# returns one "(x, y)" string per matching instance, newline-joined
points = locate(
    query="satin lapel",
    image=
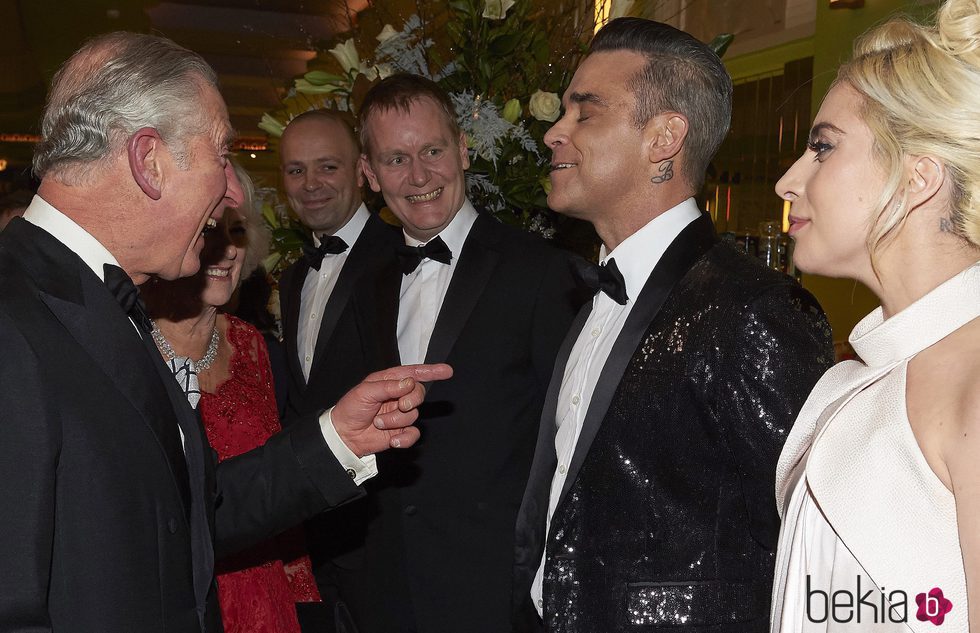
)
(99, 326)
(362, 258)
(534, 508)
(200, 471)
(388, 293)
(292, 287)
(683, 252)
(476, 265)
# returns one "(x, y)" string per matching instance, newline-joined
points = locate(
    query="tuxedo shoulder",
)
(748, 282)
(379, 231)
(520, 242)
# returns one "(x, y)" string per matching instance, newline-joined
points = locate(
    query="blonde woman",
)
(879, 481)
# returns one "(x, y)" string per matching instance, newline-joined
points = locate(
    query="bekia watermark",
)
(874, 605)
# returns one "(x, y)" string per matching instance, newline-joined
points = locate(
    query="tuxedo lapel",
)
(534, 508)
(360, 259)
(683, 252)
(477, 262)
(200, 469)
(291, 286)
(97, 323)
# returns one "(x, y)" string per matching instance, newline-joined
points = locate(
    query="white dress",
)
(867, 525)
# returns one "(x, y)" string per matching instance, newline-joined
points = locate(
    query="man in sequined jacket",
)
(650, 501)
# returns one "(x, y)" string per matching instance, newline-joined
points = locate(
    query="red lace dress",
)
(257, 588)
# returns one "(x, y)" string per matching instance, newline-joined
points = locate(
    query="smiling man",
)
(495, 302)
(114, 508)
(330, 320)
(650, 502)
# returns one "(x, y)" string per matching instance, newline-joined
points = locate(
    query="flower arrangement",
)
(502, 65)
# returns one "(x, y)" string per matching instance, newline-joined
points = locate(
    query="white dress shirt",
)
(318, 287)
(95, 256)
(636, 258)
(424, 289)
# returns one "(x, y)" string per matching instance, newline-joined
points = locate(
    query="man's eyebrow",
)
(586, 97)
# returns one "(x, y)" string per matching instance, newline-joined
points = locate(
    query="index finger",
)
(421, 373)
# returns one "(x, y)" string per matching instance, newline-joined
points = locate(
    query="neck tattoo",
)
(666, 173)
(168, 352)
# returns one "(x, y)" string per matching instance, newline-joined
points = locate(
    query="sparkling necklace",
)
(168, 350)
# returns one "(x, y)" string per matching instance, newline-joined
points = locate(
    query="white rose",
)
(386, 34)
(346, 54)
(545, 106)
(497, 9)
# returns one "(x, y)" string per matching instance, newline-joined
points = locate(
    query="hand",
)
(378, 413)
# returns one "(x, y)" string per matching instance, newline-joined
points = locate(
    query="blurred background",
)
(783, 57)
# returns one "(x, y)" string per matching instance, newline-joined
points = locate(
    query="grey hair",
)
(111, 87)
(258, 234)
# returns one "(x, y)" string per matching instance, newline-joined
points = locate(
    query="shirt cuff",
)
(360, 469)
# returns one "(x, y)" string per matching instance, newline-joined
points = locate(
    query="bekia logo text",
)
(844, 606)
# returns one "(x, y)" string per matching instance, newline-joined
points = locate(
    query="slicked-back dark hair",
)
(399, 92)
(681, 75)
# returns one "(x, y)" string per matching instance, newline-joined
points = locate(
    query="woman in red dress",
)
(258, 588)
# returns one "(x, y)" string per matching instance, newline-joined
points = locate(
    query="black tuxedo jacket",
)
(667, 517)
(109, 525)
(438, 552)
(347, 346)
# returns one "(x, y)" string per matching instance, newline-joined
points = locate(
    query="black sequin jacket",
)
(668, 516)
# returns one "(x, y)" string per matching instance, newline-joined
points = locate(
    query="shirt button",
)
(312, 316)
(596, 332)
(411, 510)
(575, 399)
(540, 603)
(561, 469)
(308, 358)
(351, 473)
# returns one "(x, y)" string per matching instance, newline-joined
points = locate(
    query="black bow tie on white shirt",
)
(127, 295)
(332, 245)
(411, 256)
(606, 278)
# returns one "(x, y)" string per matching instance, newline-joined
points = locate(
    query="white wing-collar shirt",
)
(319, 285)
(424, 289)
(636, 258)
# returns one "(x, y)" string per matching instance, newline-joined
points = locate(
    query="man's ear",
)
(145, 151)
(926, 176)
(369, 174)
(464, 152)
(664, 135)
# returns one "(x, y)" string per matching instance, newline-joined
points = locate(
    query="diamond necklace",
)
(168, 351)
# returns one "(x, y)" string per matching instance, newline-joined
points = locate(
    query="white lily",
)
(497, 9)
(271, 125)
(386, 34)
(346, 54)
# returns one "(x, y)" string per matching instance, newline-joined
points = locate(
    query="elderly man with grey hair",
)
(114, 509)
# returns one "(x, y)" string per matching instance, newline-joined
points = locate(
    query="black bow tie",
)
(411, 256)
(606, 278)
(128, 296)
(332, 245)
